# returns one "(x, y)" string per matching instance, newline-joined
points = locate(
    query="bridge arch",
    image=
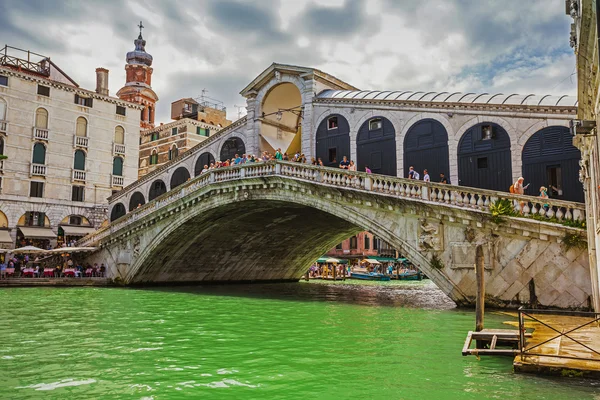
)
(157, 188)
(181, 175)
(332, 140)
(376, 146)
(203, 159)
(551, 160)
(136, 199)
(484, 157)
(117, 212)
(232, 146)
(426, 147)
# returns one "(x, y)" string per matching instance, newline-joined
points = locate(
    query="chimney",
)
(102, 81)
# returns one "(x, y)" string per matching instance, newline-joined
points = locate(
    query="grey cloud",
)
(349, 19)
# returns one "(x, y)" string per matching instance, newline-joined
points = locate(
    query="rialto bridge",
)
(270, 221)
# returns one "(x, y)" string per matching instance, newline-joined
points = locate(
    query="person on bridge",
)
(411, 172)
(344, 164)
(278, 155)
(352, 166)
(443, 179)
(367, 169)
(426, 176)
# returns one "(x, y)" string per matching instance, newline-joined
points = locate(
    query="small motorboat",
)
(410, 275)
(369, 276)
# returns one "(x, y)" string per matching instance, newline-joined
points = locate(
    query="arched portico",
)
(280, 119)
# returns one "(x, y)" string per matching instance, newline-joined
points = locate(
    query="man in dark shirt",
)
(443, 178)
(344, 164)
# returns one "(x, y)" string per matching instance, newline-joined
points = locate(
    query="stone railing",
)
(80, 141)
(3, 126)
(38, 169)
(196, 149)
(118, 149)
(40, 134)
(116, 180)
(78, 175)
(427, 192)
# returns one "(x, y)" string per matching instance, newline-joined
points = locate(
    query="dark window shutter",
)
(76, 99)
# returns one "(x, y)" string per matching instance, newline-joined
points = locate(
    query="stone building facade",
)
(67, 150)
(584, 39)
(361, 245)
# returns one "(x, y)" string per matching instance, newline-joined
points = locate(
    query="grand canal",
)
(307, 340)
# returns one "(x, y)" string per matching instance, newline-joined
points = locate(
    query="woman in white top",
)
(352, 166)
(426, 176)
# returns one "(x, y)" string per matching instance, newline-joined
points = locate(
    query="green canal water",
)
(399, 340)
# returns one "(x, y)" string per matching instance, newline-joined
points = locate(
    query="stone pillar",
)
(252, 126)
(307, 139)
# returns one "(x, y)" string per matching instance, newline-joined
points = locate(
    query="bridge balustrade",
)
(450, 195)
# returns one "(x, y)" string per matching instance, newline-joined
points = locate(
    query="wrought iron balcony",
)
(38, 169)
(118, 149)
(40, 133)
(78, 175)
(117, 180)
(3, 126)
(80, 141)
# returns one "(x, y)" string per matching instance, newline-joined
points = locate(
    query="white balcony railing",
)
(80, 141)
(3, 126)
(117, 180)
(41, 134)
(78, 175)
(118, 148)
(38, 169)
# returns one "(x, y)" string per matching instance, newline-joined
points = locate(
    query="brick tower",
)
(138, 85)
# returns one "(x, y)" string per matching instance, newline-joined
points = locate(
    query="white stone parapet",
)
(80, 141)
(38, 169)
(78, 175)
(462, 197)
(3, 126)
(116, 180)
(41, 134)
(118, 149)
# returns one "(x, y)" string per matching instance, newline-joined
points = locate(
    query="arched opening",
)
(333, 140)
(79, 160)
(281, 119)
(173, 152)
(81, 127)
(2, 109)
(376, 146)
(181, 175)
(41, 118)
(484, 159)
(150, 114)
(154, 157)
(3, 220)
(157, 188)
(39, 153)
(204, 159)
(117, 212)
(231, 147)
(119, 135)
(551, 160)
(136, 200)
(72, 228)
(426, 147)
(1, 145)
(117, 166)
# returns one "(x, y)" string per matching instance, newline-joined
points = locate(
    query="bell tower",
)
(138, 85)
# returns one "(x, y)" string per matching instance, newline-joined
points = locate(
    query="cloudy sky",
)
(221, 45)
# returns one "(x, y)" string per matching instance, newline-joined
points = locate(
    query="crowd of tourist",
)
(22, 266)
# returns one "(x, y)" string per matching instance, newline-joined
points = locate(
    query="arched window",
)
(150, 114)
(41, 118)
(2, 110)
(1, 145)
(79, 162)
(81, 129)
(154, 158)
(39, 154)
(118, 166)
(173, 152)
(119, 135)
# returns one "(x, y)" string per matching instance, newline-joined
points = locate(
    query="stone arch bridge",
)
(270, 221)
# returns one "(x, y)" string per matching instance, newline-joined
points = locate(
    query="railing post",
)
(425, 192)
(277, 169)
(368, 183)
(242, 172)
(211, 178)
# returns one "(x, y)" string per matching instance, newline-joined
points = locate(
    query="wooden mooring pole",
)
(480, 301)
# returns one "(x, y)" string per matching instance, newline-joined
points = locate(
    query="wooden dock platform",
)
(492, 342)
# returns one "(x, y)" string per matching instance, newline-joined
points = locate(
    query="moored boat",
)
(369, 276)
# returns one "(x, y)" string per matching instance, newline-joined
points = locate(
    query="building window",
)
(174, 131)
(2, 110)
(83, 101)
(339, 247)
(375, 244)
(332, 154)
(154, 136)
(79, 160)
(118, 166)
(75, 220)
(81, 127)
(353, 243)
(2, 145)
(173, 153)
(41, 118)
(482, 163)
(487, 132)
(35, 218)
(3, 80)
(375, 124)
(367, 242)
(202, 131)
(142, 115)
(39, 154)
(121, 110)
(332, 123)
(150, 114)
(77, 193)
(43, 90)
(119, 135)
(36, 189)
(154, 158)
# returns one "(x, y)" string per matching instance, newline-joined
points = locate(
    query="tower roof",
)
(139, 55)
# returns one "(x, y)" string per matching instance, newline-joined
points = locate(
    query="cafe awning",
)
(5, 237)
(323, 260)
(382, 259)
(37, 233)
(77, 230)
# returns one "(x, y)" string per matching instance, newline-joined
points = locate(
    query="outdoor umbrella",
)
(332, 261)
(71, 250)
(28, 250)
(371, 261)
